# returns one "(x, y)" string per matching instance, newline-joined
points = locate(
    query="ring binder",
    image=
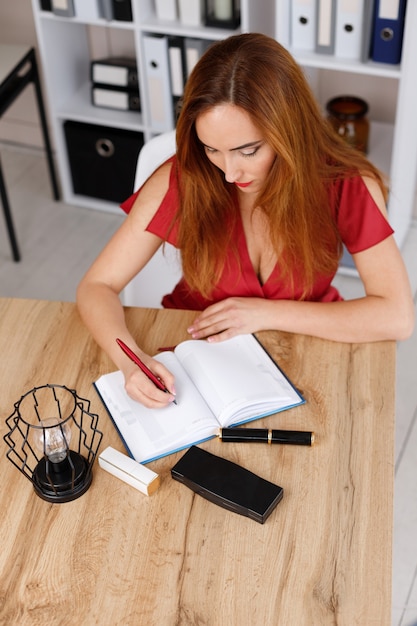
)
(122, 10)
(283, 22)
(115, 98)
(349, 28)
(117, 71)
(191, 12)
(166, 10)
(389, 20)
(86, 9)
(325, 28)
(64, 8)
(303, 24)
(105, 9)
(158, 82)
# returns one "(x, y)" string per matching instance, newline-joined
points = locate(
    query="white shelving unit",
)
(393, 146)
(66, 51)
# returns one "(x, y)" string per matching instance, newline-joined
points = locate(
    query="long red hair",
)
(256, 73)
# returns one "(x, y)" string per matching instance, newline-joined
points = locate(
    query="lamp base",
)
(62, 482)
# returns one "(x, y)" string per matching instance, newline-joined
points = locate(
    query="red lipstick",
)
(243, 185)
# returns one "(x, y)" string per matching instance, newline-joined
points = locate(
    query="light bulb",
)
(53, 439)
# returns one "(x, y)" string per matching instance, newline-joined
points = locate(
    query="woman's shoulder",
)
(361, 213)
(156, 205)
(158, 184)
(359, 191)
(154, 190)
(376, 193)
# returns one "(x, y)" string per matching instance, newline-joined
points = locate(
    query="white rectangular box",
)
(130, 471)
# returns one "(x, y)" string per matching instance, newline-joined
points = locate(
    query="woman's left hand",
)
(228, 318)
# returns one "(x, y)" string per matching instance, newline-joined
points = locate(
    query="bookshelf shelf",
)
(79, 108)
(327, 62)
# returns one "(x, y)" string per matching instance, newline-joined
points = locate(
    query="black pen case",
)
(227, 484)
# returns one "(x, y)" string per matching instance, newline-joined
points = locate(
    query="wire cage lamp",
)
(53, 440)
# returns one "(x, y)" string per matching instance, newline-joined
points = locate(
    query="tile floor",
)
(58, 242)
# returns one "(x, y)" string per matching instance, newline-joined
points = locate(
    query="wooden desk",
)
(18, 68)
(115, 557)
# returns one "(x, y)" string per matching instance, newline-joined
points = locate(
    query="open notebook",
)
(218, 385)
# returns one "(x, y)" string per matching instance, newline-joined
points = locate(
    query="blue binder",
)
(389, 20)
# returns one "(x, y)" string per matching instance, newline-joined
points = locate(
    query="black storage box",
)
(102, 160)
(122, 10)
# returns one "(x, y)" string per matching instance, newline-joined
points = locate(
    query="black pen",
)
(265, 435)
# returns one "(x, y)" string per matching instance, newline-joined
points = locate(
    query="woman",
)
(259, 199)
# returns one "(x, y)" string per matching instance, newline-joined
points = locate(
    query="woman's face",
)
(235, 145)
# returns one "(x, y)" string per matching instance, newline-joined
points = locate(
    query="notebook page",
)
(236, 377)
(149, 433)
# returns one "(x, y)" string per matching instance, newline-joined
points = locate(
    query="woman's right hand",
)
(141, 389)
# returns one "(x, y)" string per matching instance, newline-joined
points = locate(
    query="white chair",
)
(163, 271)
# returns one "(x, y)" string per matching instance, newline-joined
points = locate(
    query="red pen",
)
(156, 381)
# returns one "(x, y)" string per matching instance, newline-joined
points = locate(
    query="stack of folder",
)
(90, 9)
(349, 29)
(115, 84)
(169, 61)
